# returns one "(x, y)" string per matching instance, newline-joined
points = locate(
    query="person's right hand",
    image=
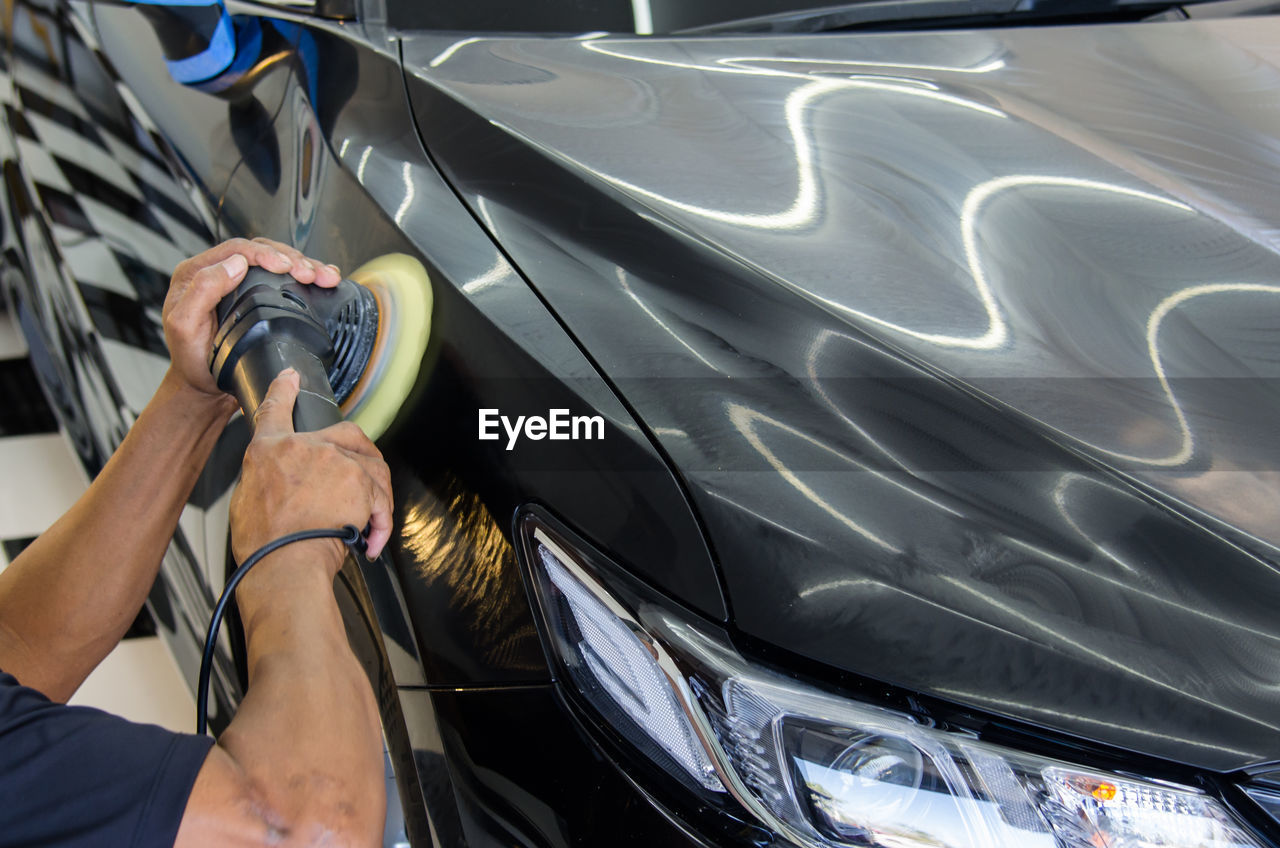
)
(306, 481)
(200, 282)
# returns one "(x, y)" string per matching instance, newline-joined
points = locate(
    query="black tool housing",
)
(272, 322)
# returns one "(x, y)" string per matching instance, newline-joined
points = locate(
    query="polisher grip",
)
(315, 407)
(265, 326)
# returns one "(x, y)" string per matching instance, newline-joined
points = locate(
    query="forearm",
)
(67, 600)
(307, 734)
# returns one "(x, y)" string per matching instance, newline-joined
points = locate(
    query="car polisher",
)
(357, 347)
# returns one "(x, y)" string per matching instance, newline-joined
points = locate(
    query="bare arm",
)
(66, 600)
(301, 762)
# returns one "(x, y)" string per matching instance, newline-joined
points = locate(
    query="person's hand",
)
(306, 481)
(201, 281)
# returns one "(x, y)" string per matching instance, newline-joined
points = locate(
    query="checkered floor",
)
(120, 222)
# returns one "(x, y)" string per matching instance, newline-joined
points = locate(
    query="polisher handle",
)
(315, 407)
(263, 328)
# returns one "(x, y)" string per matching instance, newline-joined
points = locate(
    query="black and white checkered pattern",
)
(120, 218)
(120, 222)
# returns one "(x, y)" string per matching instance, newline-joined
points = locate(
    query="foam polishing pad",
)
(403, 291)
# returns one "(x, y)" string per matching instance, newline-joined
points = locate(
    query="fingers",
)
(304, 269)
(207, 287)
(380, 504)
(274, 416)
(377, 476)
(379, 527)
(261, 253)
(277, 257)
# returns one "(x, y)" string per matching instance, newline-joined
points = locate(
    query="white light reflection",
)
(364, 160)
(844, 65)
(622, 281)
(997, 332)
(763, 519)
(1060, 500)
(485, 215)
(744, 419)
(342, 151)
(495, 274)
(450, 50)
(1015, 706)
(643, 16)
(1087, 573)
(408, 194)
(804, 208)
(1162, 310)
(845, 584)
(811, 370)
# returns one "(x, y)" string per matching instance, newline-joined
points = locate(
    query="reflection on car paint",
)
(977, 283)
(454, 556)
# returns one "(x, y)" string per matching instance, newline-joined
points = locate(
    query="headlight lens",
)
(616, 666)
(837, 773)
(824, 771)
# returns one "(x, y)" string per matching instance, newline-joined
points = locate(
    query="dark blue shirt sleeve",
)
(76, 776)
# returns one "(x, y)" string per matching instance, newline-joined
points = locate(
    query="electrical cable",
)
(350, 537)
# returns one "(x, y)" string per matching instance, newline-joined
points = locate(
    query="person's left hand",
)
(201, 281)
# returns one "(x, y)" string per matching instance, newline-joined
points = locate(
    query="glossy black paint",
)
(956, 472)
(570, 792)
(382, 195)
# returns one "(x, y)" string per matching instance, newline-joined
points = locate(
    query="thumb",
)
(274, 416)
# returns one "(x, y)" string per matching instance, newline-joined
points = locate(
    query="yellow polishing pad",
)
(403, 291)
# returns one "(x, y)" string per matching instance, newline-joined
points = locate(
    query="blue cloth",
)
(76, 776)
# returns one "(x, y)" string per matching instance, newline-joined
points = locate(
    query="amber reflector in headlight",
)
(863, 776)
(820, 769)
(615, 664)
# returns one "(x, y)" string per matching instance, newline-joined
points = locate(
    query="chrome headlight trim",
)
(992, 788)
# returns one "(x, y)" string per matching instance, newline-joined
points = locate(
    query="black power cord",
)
(349, 535)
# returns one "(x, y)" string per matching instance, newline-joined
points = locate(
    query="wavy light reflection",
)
(407, 176)
(840, 65)
(806, 205)
(446, 54)
(1187, 449)
(622, 281)
(744, 420)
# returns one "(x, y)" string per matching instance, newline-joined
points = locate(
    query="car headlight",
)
(819, 769)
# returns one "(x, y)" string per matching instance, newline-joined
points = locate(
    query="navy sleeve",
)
(75, 776)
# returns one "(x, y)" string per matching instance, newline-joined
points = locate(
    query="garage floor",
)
(39, 478)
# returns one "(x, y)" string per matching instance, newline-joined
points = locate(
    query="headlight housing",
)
(821, 770)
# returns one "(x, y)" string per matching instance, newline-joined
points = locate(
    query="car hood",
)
(964, 344)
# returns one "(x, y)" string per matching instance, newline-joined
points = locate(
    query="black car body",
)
(938, 372)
